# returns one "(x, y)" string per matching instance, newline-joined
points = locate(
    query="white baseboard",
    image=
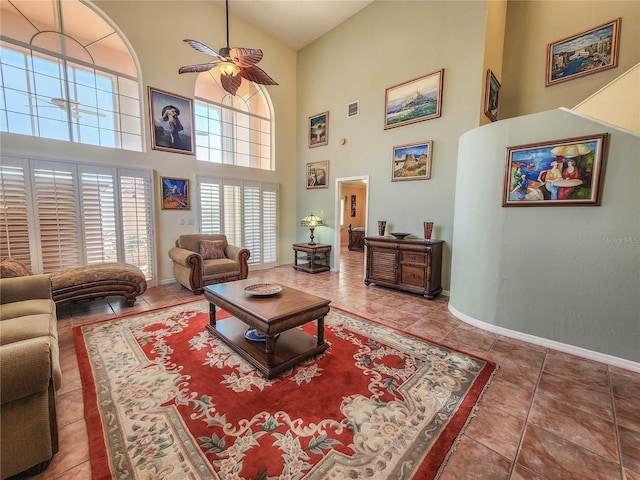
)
(561, 347)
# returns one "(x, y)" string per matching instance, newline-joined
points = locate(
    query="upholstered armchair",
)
(204, 259)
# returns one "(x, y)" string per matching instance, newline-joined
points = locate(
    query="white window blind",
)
(246, 212)
(14, 223)
(99, 216)
(137, 221)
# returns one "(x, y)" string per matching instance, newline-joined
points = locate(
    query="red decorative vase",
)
(382, 225)
(428, 230)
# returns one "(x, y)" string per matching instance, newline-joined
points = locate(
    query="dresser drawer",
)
(412, 275)
(420, 258)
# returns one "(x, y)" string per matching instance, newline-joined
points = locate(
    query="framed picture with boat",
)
(588, 52)
(565, 172)
(417, 100)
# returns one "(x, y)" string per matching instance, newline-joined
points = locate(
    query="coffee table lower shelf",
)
(291, 346)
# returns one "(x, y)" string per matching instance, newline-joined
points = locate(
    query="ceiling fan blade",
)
(230, 84)
(201, 67)
(257, 75)
(201, 47)
(245, 57)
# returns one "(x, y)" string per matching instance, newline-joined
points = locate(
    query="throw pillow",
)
(10, 267)
(210, 249)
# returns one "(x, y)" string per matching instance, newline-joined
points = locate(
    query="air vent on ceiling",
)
(353, 109)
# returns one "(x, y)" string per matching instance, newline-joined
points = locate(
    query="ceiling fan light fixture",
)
(229, 68)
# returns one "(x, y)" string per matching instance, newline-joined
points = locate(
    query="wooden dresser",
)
(412, 265)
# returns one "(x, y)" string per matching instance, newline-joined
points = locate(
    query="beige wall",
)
(361, 205)
(532, 25)
(493, 48)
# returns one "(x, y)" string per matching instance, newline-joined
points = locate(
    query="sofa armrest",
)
(26, 368)
(185, 257)
(19, 289)
(240, 255)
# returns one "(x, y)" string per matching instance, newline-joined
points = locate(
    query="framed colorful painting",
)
(588, 52)
(175, 193)
(412, 162)
(318, 174)
(491, 96)
(319, 130)
(414, 101)
(171, 119)
(556, 173)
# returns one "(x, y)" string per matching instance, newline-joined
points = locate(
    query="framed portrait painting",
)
(319, 130)
(171, 119)
(412, 162)
(318, 174)
(175, 193)
(492, 96)
(588, 52)
(414, 101)
(565, 172)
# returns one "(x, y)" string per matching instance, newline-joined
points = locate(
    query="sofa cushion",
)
(11, 268)
(211, 249)
(23, 308)
(29, 326)
(219, 266)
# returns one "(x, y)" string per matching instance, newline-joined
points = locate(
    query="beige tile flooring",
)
(546, 415)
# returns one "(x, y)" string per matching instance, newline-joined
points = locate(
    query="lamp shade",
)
(312, 221)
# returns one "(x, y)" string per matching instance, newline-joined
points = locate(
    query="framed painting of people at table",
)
(318, 174)
(587, 52)
(417, 100)
(567, 172)
(319, 130)
(171, 119)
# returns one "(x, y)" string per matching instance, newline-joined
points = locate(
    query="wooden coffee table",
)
(277, 316)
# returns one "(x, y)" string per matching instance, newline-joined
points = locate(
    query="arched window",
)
(234, 130)
(68, 75)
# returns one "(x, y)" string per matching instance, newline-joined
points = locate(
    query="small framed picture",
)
(318, 174)
(492, 96)
(175, 193)
(565, 172)
(414, 101)
(319, 130)
(588, 52)
(171, 119)
(412, 162)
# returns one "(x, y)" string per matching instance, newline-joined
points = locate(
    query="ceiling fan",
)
(234, 63)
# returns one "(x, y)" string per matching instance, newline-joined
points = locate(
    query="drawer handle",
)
(413, 257)
(413, 275)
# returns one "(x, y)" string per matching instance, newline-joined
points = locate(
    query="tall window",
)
(246, 212)
(234, 130)
(55, 215)
(67, 75)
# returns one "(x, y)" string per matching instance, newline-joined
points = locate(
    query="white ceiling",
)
(296, 23)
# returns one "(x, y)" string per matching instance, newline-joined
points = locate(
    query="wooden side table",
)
(311, 258)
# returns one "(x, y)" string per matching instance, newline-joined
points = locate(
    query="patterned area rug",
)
(165, 399)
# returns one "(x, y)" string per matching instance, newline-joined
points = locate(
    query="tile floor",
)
(546, 415)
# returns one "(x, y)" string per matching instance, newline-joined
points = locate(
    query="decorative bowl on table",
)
(399, 235)
(263, 289)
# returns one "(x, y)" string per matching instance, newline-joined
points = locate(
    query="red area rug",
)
(165, 399)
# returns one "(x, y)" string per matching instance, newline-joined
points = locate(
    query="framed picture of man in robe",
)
(171, 118)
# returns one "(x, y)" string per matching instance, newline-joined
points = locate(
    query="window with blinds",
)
(246, 212)
(56, 215)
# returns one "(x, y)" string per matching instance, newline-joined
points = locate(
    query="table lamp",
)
(312, 221)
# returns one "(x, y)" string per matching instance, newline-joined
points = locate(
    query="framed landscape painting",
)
(492, 96)
(587, 52)
(319, 130)
(412, 162)
(318, 174)
(171, 119)
(414, 101)
(175, 193)
(564, 172)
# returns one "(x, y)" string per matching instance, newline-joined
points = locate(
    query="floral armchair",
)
(204, 259)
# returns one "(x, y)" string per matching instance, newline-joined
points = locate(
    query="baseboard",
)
(543, 342)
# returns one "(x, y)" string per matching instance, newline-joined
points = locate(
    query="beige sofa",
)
(193, 270)
(30, 374)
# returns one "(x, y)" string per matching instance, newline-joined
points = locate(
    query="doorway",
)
(346, 205)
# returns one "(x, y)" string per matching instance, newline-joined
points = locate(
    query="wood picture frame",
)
(318, 130)
(317, 174)
(412, 162)
(414, 101)
(567, 172)
(171, 118)
(587, 52)
(492, 97)
(175, 193)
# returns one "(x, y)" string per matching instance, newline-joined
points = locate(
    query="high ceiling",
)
(296, 23)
